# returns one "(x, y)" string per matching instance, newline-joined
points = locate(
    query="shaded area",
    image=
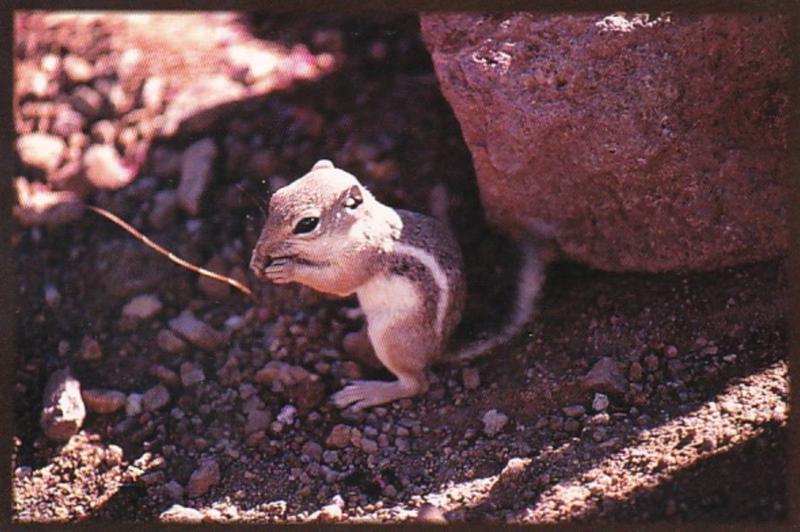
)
(378, 114)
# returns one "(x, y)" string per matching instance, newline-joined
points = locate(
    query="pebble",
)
(197, 167)
(572, 425)
(340, 436)
(191, 374)
(170, 342)
(651, 362)
(153, 90)
(600, 402)
(103, 401)
(41, 150)
(429, 513)
(180, 514)
(276, 371)
(155, 398)
(63, 410)
(164, 374)
(104, 168)
(173, 490)
(635, 372)
(197, 332)
(471, 378)
(52, 296)
(104, 132)
(77, 69)
(574, 410)
(199, 105)
(671, 351)
(493, 422)
(87, 101)
(203, 478)
(164, 210)
(369, 446)
(90, 349)
(142, 307)
(286, 415)
(313, 450)
(257, 420)
(606, 377)
(133, 404)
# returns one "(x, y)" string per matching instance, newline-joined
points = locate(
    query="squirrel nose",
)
(258, 263)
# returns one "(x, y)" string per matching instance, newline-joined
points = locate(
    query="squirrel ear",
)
(322, 163)
(354, 198)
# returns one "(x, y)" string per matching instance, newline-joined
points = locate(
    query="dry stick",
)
(171, 256)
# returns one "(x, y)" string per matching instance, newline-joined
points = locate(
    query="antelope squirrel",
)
(328, 232)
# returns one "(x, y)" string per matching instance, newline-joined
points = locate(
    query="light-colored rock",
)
(41, 150)
(63, 410)
(606, 376)
(142, 307)
(170, 342)
(199, 106)
(38, 205)
(191, 374)
(104, 167)
(133, 404)
(199, 333)
(180, 514)
(197, 169)
(493, 422)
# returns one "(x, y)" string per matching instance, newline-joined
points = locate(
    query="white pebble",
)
(600, 402)
(493, 422)
(133, 405)
(142, 307)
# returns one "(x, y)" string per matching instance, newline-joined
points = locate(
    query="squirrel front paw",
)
(280, 270)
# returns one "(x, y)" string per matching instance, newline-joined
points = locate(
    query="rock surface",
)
(639, 143)
(63, 410)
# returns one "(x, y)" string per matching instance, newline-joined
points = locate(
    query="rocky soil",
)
(145, 393)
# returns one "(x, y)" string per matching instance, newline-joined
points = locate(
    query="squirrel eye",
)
(306, 225)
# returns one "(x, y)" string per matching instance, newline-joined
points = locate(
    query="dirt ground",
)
(687, 422)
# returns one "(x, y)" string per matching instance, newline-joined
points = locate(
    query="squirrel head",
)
(317, 218)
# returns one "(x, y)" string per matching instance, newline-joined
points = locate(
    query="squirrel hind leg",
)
(364, 394)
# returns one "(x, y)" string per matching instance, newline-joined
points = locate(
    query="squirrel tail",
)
(536, 253)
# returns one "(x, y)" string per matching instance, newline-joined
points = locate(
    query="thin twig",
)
(171, 256)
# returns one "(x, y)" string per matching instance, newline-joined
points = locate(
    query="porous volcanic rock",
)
(639, 142)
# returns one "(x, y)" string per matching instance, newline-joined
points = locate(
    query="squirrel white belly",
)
(328, 232)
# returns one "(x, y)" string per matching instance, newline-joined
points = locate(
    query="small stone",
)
(330, 512)
(198, 106)
(197, 167)
(77, 69)
(651, 362)
(142, 307)
(429, 513)
(313, 450)
(180, 514)
(369, 446)
(286, 415)
(191, 374)
(574, 410)
(153, 90)
(606, 377)
(133, 404)
(471, 378)
(63, 410)
(155, 398)
(257, 420)
(87, 101)
(203, 478)
(493, 422)
(41, 151)
(170, 342)
(173, 490)
(572, 425)
(197, 332)
(600, 402)
(708, 444)
(730, 407)
(635, 372)
(90, 349)
(52, 297)
(103, 401)
(165, 209)
(164, 374)
(339, 437)
(671, 351)
(104, 132)
(104, 167)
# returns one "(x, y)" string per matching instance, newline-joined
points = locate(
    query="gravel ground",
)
(145, 393)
